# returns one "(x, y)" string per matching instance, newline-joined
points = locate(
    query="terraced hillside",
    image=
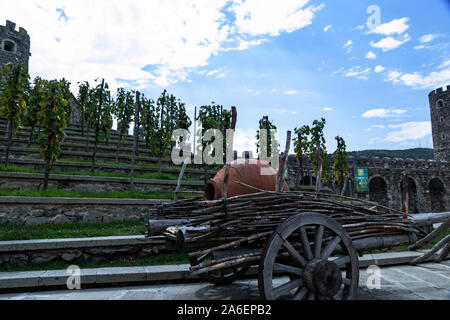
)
(72, 172)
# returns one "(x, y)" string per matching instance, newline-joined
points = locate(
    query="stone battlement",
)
(14, 45)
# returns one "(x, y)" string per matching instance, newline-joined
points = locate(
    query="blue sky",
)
(295, 62)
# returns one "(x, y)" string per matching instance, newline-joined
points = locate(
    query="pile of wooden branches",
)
(248, 220)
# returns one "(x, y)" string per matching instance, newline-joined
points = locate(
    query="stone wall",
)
(429, 181)
(93, 250)
(37, 211)
(14, 45)
(440, 122)
(32, 181)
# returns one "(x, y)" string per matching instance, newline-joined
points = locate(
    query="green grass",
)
(75, 230)
(150, 175)
(104, 195)
(161, 259)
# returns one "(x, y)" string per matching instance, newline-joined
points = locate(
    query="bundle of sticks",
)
(201, 227)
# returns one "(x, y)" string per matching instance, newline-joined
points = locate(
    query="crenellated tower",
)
(14, 45)
(440, 122)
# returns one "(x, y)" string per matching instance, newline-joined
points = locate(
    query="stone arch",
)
(437, 195)
(378, 190)
(412, 195)
(9, 45)
(440, 103)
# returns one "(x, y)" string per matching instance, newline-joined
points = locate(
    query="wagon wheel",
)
(301, 247)
(223, 276)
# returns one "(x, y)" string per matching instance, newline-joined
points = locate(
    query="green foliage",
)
(340, 161)
(14, 91)
(301, 147)
(213, 117)
(99, 110)
(53, 117)
(310, 141)
(149, 118)
(123, 110)
(34, 106)
(169, 114)
(265, 123)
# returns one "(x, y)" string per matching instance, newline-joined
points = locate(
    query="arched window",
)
(440, 103)
(9, 46)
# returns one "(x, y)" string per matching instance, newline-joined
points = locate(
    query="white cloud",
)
(390, 43)
(290, 92)
(383, 113)
(371, 55)
(375, 126)
(396, 26)
(358, 73)
(327, 109)
(379, 69)
(409, 131)
(348, 44)
(255, 17)
(328, 27)
(428, 38)
(145, 42)
(417, 80)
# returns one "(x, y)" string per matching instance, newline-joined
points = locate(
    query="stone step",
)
(90, 184)
(70, 146)
(101, 277)
(76, 137)
(20, 152)
(62, 166)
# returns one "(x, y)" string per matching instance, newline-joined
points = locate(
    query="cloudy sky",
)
(366, 69)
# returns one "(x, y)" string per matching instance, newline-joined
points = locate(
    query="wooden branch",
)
(439, 245)
(282, 165)
(431, 236)
(180, 177)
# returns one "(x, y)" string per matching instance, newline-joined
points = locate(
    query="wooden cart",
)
(309, 241)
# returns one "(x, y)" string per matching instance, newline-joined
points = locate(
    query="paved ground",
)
(426, 281)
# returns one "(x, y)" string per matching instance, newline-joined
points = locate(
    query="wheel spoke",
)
(342, 260)
(346, 281)
(301, 294)
(318, 237)
(330, 247)
(288, 269)
(305, 244)
(288, 286)
(293, 253)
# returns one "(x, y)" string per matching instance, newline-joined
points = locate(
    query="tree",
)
(83, 107)
(301, 149)
(214, 117)
(123, 111)
(318, 153)
(340, 163)
(148, 119)
(100, 115)
(265, 124)
(14, 91)
(170, 114)
(33, 107)
(53, 117)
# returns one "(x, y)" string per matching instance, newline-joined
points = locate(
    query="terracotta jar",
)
(253, 172)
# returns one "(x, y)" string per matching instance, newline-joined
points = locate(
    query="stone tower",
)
(14, 45)
(440, 122)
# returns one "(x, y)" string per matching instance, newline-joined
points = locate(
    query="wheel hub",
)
(323, 277)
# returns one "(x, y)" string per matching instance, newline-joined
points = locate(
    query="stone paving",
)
(425, 281)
